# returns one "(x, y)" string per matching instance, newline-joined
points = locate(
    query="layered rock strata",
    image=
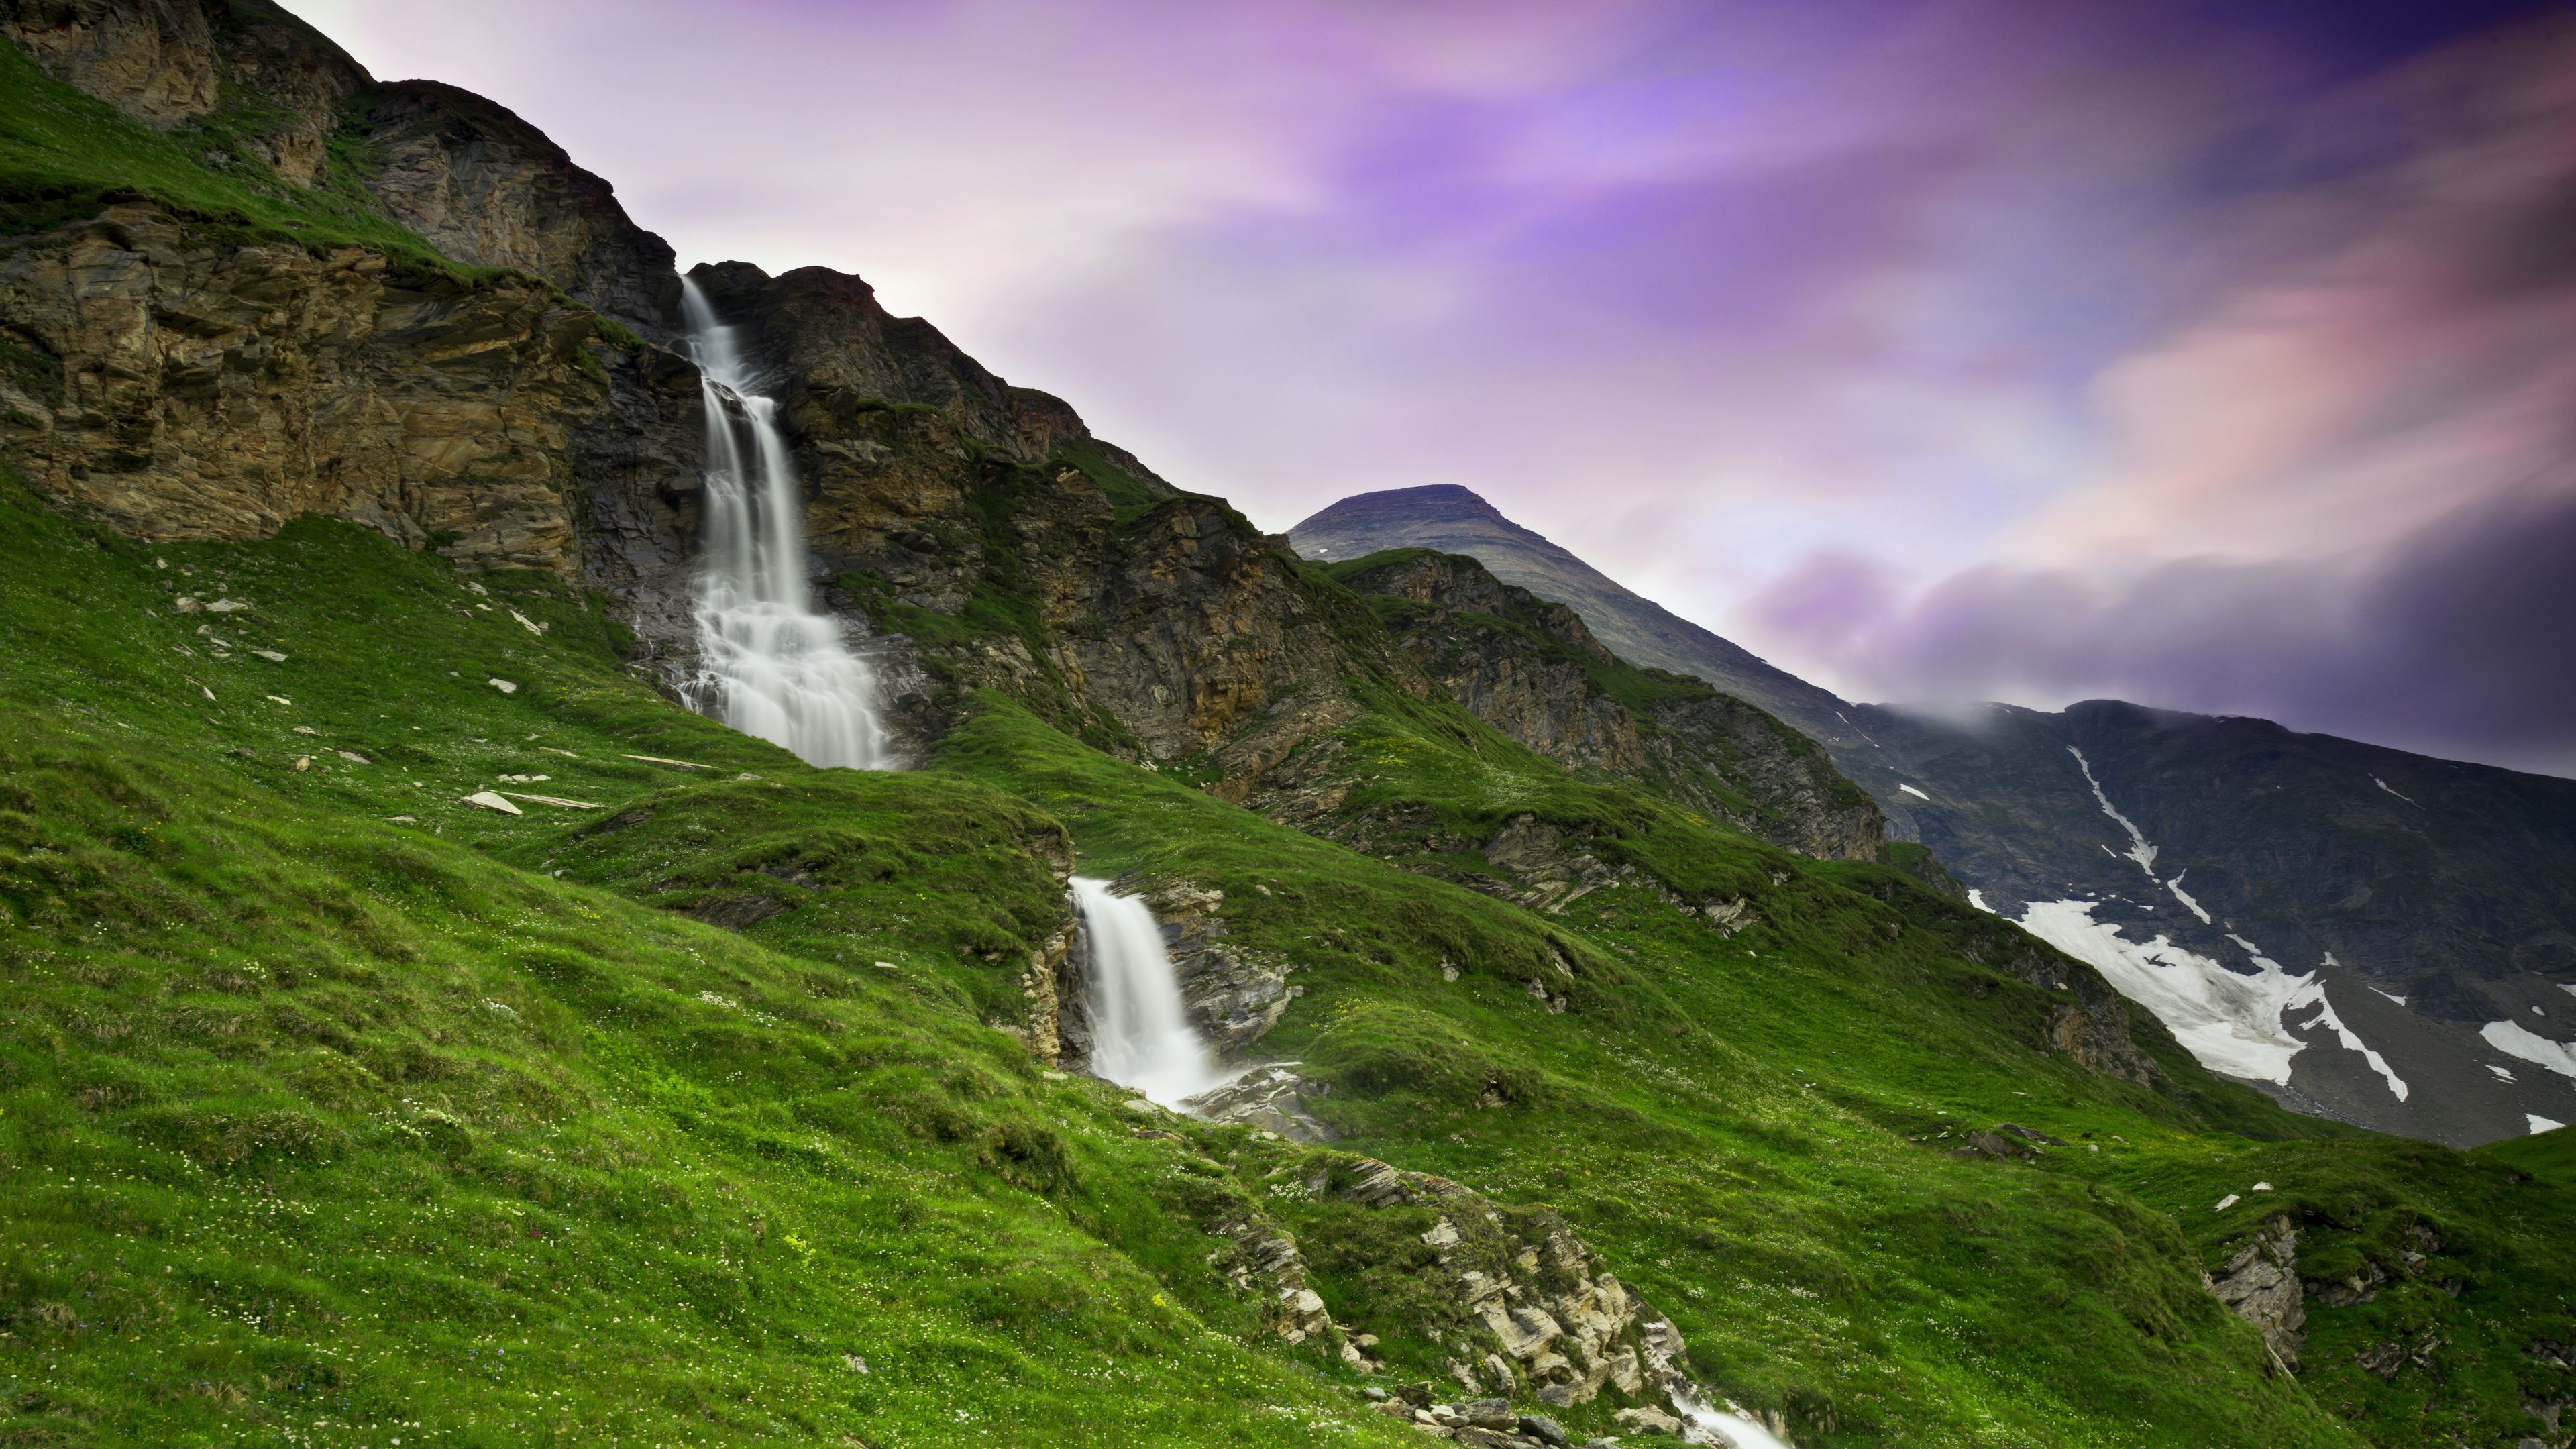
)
(2261, 1285)
(213, 390)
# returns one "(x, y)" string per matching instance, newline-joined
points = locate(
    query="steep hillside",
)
(1534, 671)
(2370, 935)
(421, 1027)
(358, 1105)
(298, 135)
(1451, 519)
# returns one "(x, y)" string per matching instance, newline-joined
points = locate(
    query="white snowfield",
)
(1978, 899)
(2516, 1040)
(2230, 1022)
(2540, 1124)
(1910, 790)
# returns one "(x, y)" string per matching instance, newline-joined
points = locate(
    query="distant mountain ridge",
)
(1455, 520)
(2371, 935)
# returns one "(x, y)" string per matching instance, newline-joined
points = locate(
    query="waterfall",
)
(1732, 1430)
(769, 664)
(1139, 1036)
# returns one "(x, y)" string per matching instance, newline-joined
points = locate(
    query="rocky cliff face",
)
(188, 380)
(178, 63)
(1011, 549)
(485, 187)
(1533, 670)
(208, 389)
(155, 62)
(2261, 1283)
(475, 181)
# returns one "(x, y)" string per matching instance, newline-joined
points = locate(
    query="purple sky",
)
(2218, 356)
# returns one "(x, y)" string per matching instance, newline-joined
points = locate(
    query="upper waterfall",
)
(769, 664)
(1139, 1036)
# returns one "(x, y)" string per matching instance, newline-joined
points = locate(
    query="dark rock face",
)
(485, 187)
(1156, 624)
(1533, 670)
(155, 63)
(639, 465)
(214, 390)
(1233, 996)
(475, 181)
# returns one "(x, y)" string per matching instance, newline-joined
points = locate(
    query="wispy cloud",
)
(1966, 289)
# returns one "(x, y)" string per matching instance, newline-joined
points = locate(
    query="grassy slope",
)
(314, 1120)
(261, 1155)
(318, 1125)
(65, 154)
(1726, 1104)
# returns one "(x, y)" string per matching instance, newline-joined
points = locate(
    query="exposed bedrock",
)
(212, 390)
(1531, 669)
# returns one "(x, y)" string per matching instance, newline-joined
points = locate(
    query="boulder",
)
(1647, 1420)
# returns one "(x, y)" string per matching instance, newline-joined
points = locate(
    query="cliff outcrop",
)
(487, 188)
(475, 181)
(202, 388)
(1531, 669)
(1009, 548)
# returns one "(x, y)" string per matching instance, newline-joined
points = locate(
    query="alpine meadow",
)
(592, 854)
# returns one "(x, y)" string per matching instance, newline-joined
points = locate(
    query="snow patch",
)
(2175, 885)
(2139, 850)
(2326, 1017)
(2516, 1040)
(2229, 1022)
(1917, 794)
(2391, 995)
(2540, 1124)
(1977, 898)
(2393, 790)
(2499, 1071)
(2226, 1202)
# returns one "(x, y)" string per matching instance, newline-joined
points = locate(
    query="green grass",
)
(318, 1125)
(318, 1121)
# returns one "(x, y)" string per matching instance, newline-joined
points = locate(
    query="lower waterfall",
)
(770, 665)
(1140, 1036)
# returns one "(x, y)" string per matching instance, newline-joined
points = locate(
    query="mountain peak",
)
(1431, 505)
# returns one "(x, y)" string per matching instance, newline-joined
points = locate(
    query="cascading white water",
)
(1731, 1430)
(769, 664)
(1139, 1036)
